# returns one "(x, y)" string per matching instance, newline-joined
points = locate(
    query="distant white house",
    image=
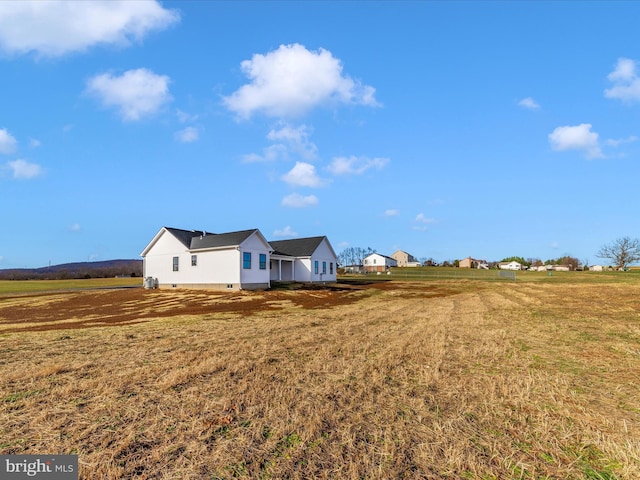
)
(378, 263)
(513, 265)
(177, 258)
(596, 268)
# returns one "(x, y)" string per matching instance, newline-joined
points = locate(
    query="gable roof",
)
(297, 247)
(381, 255)
(201, 239)
(410, 258)
(185, 236)
(217, 240)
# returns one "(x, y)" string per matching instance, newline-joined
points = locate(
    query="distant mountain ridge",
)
(101, 269)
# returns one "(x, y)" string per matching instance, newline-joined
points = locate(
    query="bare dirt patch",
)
(86, 309)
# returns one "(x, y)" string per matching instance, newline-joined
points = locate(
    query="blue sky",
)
(445, 129)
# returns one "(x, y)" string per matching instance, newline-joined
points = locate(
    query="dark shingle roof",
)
(185, 236)
(297, 247)
(213, 240)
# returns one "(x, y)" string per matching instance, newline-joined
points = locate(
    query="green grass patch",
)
(452, 273)
(34, 286)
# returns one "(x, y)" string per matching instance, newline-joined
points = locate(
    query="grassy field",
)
(452, 379)
(437, 273)
(30, 286)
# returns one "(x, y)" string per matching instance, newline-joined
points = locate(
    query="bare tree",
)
(622, 252)
(354, 255)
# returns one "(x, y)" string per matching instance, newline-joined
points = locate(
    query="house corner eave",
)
(153, 242)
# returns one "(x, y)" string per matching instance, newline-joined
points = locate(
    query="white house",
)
(513, 265)
(596, 268)
(303, 260)
(378, 263)
(178, 258)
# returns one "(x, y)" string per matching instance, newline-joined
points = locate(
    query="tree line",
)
(104, 269)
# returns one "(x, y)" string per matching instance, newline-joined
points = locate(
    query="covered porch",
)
(282, 268)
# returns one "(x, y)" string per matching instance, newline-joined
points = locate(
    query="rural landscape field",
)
(459, 378)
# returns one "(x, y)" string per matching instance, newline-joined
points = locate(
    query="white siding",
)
(254, 275)
(158, 262)
(224, 267)
(377, 260)
(303, 270)
(322, 254)
(513, 265)
(215, 266)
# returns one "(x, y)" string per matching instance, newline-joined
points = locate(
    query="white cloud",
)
(75, 227)
(304, 175)
(34, 143)
(23, 169)
(578, 137)
(8, 143)
(421, 222)
(285, 232)
(391, 212)
(296, 140)
(626, 83)
(55, 27)
(136, 93)
(295, 200)
(420, 218)
(529, 103)
(292, 80)
(252, 158)
(188, 135)
(293, 141)
(185, 117)
(355, 165)
(621, 141)
(269, 154)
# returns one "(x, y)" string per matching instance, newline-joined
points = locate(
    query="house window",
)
(263, 261)
(324, 268)
(194, 260)
(246, 260)
(330, 268)
(176, 263)
(315, 265)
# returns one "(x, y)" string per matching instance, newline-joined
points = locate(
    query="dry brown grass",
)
(454, 380)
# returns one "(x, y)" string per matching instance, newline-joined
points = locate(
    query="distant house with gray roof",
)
(377, 262)
(177, 258)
